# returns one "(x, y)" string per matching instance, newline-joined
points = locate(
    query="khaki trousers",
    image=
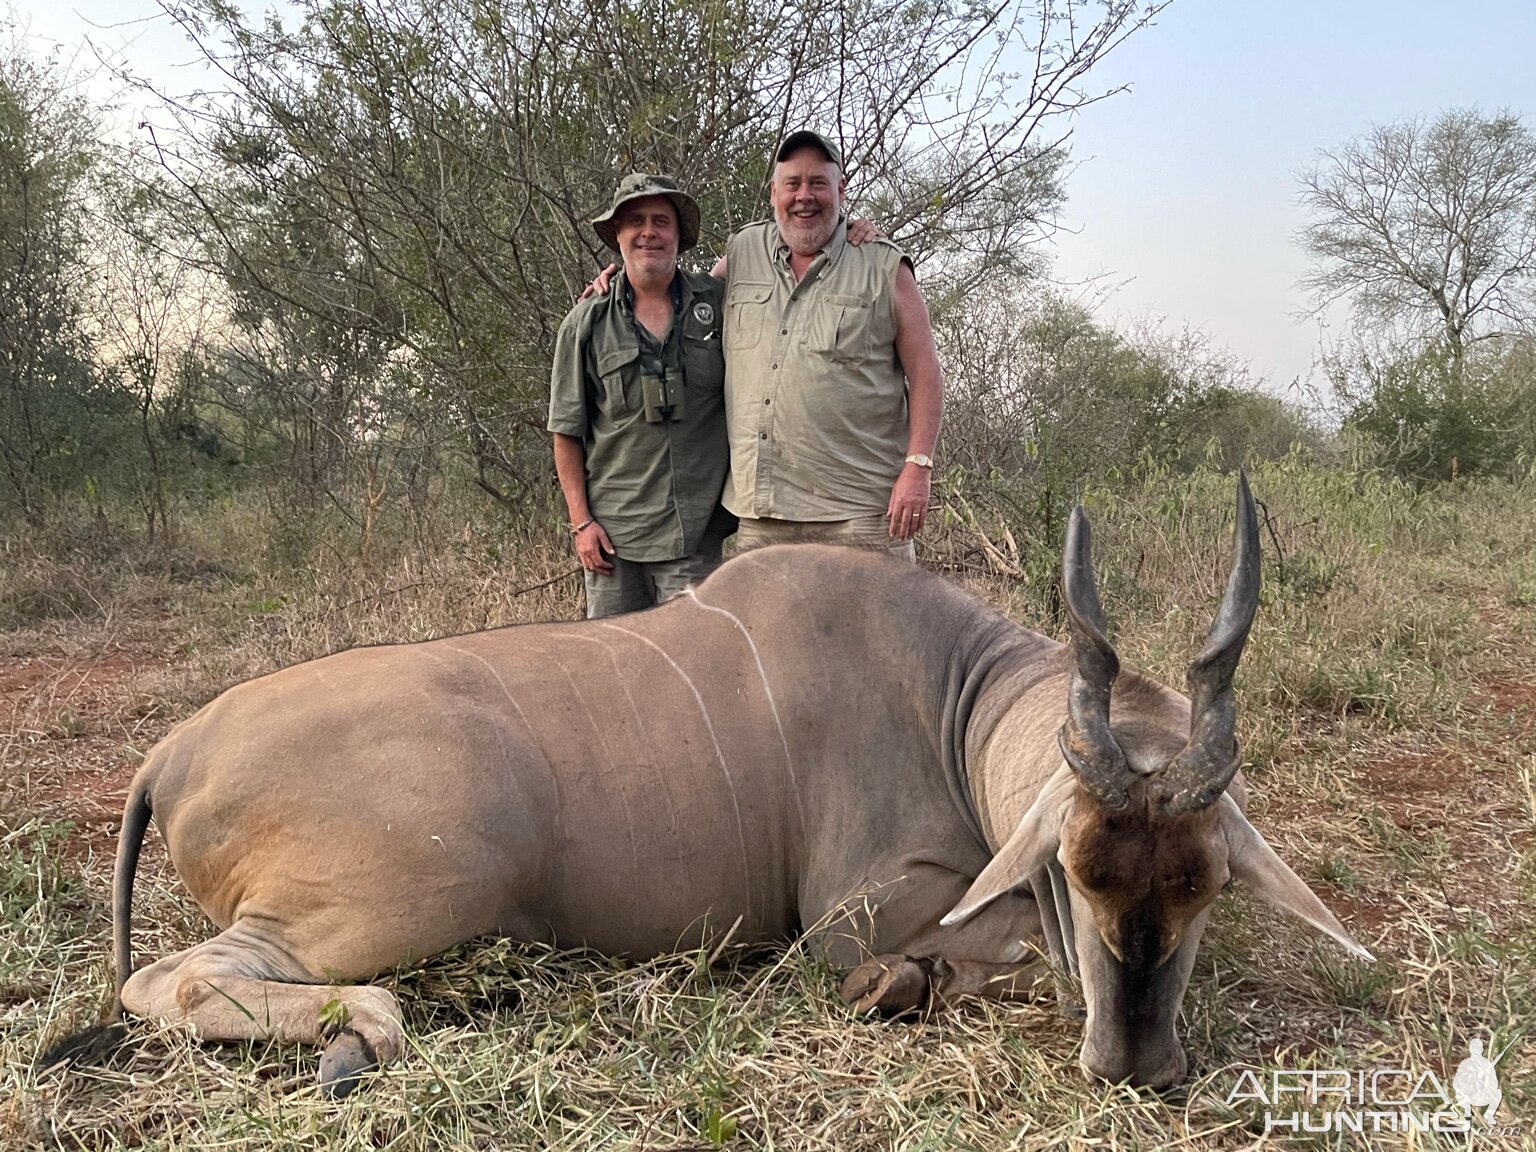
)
(870, 532)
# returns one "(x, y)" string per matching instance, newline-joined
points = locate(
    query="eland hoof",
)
(343, 1062)
(890, 985)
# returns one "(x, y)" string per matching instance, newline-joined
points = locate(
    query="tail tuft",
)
(90, 1046)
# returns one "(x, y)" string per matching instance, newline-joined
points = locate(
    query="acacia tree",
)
(1429, 225)
(1428, 229)
(417, 174)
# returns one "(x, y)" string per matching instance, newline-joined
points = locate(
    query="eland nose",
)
(1156, 1070)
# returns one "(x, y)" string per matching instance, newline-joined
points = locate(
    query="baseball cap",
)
(815, 139)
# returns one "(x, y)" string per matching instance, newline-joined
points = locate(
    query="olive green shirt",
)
(653, 486)
(815, 391)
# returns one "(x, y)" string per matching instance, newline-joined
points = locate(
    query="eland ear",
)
(1256, 866)
(1031, 847)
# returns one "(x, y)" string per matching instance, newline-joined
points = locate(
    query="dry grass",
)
(1389, 708)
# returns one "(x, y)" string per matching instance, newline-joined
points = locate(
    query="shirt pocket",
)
(839, 327)
(618, 390)
(746, 314)
(703, 365)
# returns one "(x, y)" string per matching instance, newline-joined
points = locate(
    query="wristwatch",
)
(921, 459)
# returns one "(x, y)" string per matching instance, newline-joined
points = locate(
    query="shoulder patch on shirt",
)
(704, 312)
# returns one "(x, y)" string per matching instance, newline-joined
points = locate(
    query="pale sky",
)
(1186, 185)
(1185, 195)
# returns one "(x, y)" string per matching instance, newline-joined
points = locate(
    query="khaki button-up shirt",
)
(815, 390)
(654, 487)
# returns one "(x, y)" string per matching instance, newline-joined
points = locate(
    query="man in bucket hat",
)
(637, 408)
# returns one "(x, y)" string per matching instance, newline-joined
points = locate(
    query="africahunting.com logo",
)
(1377, 1100)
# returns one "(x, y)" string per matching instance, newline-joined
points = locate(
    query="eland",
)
(813, 740)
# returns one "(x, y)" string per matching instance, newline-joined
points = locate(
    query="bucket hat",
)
(637, 186)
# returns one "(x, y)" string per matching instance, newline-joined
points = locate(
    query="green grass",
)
(1385, 764)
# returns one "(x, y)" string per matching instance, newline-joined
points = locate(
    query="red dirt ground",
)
(82, 720)
(1517, 701)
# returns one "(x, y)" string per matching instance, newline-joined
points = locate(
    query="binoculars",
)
(663, 397)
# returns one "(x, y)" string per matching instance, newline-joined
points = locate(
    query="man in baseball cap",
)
(834, 392)
(637, 408)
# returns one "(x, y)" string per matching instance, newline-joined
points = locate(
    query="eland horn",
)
(1085, 738)
(1202, 771)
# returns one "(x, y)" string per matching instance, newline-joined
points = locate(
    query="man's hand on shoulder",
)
(599, 286)
(862, 231)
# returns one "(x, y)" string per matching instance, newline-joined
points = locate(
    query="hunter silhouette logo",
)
(1476, 1083)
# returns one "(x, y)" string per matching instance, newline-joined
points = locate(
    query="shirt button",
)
(767, 400)
(783, 331)
(775, 366)
(762, 436)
